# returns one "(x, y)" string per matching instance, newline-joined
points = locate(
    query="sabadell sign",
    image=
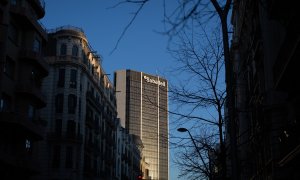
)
(153, 81)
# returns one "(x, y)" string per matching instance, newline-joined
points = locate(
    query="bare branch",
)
(201, 56)
(141, 5)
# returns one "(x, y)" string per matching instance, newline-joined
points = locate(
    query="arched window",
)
(84, 57)
(63, 49)
(73, 78)
(72, 100)
(61, 78)
(75, 50)
(71, 128)
(59, 103)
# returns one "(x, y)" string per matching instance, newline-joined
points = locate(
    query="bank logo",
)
(153, 81)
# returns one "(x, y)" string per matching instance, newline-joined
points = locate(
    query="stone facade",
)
(265, 48)
(81, 110)
(22, 70)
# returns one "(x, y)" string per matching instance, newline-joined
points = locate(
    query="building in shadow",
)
(265, 50)
(129, 157)
(22, 70)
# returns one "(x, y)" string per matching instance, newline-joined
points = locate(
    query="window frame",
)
(75, 50)
(59, 103)
(72, 103)
(73, 78)
(63, 49)
(61, 77)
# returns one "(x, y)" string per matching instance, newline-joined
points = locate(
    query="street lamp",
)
(186, 130)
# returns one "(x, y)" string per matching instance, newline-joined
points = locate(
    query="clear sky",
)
(142, 48)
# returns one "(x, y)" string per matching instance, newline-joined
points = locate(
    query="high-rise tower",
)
(142, 104)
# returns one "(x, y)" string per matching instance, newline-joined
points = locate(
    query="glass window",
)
(71, 128)
(31, 112)
(9, 67)
(27, 144)
(69, 157)
(84, 57)
(56, 157)
(61, 78)
(59, 103)
(72, 103)
(75, 50)
(73, 78)
(63, 49)
(58, 127)
(5, 103)
(89, 113)
(36, 45)
(13, 33)
(36, 78)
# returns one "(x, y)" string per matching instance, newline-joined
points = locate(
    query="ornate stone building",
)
(129, 155)
(81, 111)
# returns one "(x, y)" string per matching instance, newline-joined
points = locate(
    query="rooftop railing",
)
(66, 27)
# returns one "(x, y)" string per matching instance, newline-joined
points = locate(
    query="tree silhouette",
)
(199, 97)
(190, 15)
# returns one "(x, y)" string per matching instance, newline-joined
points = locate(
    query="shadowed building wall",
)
(22, 70)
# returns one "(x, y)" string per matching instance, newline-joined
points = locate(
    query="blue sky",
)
(141, 49)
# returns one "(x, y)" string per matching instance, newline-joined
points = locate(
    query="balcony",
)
(21, 160)
(39, 7)
(13, 122)
(29, 90)
(55, 137)
(68, 59)
(27, 19)
(36, 59)
(93, 101)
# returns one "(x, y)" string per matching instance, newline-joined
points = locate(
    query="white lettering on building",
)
(153, 81)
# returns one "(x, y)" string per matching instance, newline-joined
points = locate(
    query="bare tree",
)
(192, 167)
(200, 98)
(198, 62)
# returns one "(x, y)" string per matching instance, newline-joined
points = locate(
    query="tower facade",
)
(142, 104)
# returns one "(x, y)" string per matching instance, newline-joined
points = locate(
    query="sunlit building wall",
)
(81, 111)
(142, 103)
